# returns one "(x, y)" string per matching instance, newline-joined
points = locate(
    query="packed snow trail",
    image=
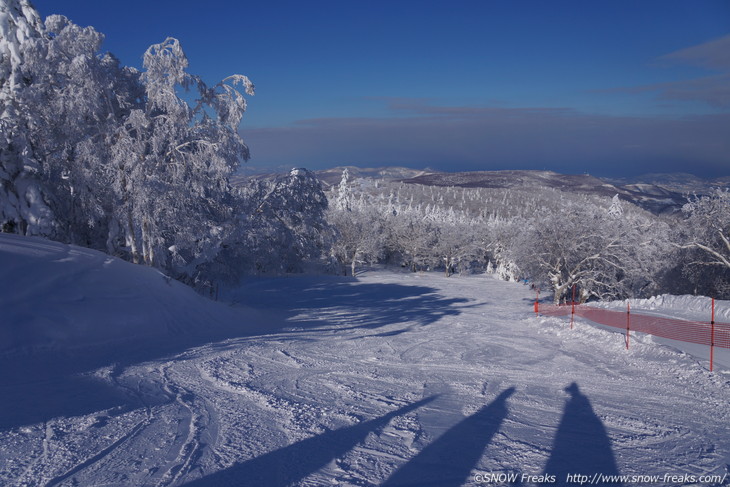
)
(388, 379)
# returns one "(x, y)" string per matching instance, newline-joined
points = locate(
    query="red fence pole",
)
(628, 323)
(572, 309)
(712, 334)
(537, 299)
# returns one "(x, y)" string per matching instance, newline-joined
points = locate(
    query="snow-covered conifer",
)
(615, 210)
(344, 194)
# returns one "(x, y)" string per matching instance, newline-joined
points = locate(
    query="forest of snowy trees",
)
(112, 158)
(608, 248)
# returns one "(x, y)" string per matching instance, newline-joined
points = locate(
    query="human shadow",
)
(449, 460)
(581, 445)
(294, 462)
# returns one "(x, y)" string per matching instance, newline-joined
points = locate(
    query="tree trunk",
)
(559, 289)
(131, 240)
(146, 245)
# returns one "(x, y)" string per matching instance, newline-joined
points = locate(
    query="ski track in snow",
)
(355, 390)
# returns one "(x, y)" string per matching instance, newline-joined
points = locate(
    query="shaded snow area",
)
(60, 297)
(116, 376)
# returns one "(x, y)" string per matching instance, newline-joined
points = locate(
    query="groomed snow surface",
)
(113, 375)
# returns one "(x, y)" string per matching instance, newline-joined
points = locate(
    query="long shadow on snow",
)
(44, 385)
(358, 304)
(581, 444)
(39, 401)
(448, 461)
(294, 462)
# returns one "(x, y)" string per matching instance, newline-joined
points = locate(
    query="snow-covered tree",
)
(61, 101)
(458, 246)
(172, 161)
(414, 237)
(297, 204)
(358, 225)
(278, 226)
(138, 163)
(616, 209)
(359, 236)
(709, 222)
(23, 202)
(604, 254)
(501, 236)
(343, 197)
(704, 240)
(76, 101)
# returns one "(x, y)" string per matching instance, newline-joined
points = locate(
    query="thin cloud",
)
(489, 138)
(713, 90)
(714, 55)
(425, 107)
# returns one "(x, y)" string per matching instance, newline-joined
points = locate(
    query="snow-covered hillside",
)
(57, 296)
(387, 379)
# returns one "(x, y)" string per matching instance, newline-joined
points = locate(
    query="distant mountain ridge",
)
(333, 176)
(651, 197)
(658, 193)
(679, 182)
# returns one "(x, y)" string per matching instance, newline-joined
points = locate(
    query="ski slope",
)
(117, 376)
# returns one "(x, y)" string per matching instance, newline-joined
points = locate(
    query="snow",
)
(64, 297)
(686, 306)
(18, 22)
(119, 376)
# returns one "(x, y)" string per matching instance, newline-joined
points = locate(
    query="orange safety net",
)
(700, 332)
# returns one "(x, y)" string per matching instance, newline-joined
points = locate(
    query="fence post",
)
(712, 334)
(537, 299)
(572, 309)
(628, 323)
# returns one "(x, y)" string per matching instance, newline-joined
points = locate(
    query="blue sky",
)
(607, 88)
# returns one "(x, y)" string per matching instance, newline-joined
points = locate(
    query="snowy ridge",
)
(60, 296)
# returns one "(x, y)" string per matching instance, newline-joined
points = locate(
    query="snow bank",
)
(686, 306)
(57, 296)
